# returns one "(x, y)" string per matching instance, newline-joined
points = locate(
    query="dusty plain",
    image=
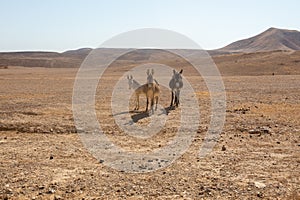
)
(256, 157)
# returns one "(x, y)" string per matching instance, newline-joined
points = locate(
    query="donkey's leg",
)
(172, 98)
(179, 97)
(147, 103)
(137, 105)
(156, 99)
(152, 104)
(135, 102)
(176, 98)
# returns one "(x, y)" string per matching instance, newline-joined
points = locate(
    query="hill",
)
(269, 40)
(44, 59)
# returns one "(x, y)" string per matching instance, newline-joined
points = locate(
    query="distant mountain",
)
(273, 46)
(269, 40)
(83, 52)
(72, 58)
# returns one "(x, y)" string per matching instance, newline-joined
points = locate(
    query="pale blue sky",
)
(59, 25)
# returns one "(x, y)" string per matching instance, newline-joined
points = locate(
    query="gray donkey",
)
(176, 84)
(150, 89)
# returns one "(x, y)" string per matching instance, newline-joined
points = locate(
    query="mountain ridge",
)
(278, 43)
(270, 40)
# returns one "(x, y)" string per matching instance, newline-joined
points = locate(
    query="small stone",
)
(266, 129)
(259, 194)
(223, 148)
(253, 131)
(51, 191)
(259, 185)
(9, 191)
(51, 157)
(41, 187)
(57, 197)
(278, 142)
(101, 161)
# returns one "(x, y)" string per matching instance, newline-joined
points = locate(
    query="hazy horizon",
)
(60, 26)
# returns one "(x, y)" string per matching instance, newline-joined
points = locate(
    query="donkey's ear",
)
(131, 77)
(174, 72)
(148, 71)
(181, 71)
(152, 71)
(127, 76)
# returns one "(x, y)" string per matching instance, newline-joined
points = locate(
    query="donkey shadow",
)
(135, 117)
(142, 114)
(138, 115)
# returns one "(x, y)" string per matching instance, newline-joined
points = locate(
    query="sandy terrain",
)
(42, 156)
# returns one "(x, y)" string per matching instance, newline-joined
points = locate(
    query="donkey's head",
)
(150, 79)
(130, 81)
(177, 78)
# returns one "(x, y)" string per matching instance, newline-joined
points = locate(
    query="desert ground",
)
(42, 157)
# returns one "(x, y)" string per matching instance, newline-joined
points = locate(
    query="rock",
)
(266, 130)
(39, 129)
(51, 157)
(9, 191)
(101, 161)
(51, 191)
(259, 185)
(241, 110)
(259, 194)
(260, 130)
(253, 131)
(41, 187)
(223, 148)
(57, 197)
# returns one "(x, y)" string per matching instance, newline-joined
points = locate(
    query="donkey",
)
(176, 84)
(150, 89)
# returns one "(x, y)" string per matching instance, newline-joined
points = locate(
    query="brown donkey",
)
(150, 89)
